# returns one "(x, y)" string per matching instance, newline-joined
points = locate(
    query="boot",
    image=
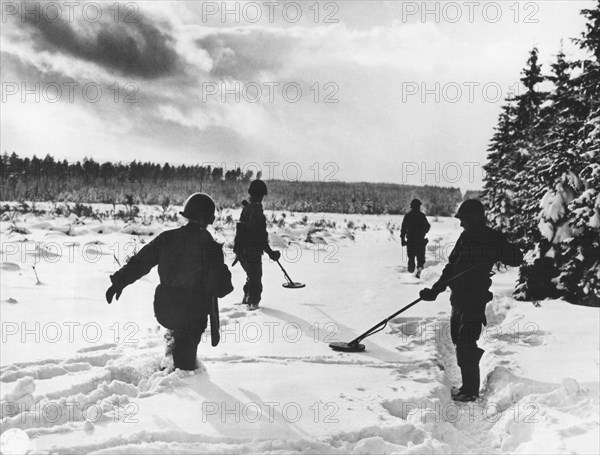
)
(253, 306)
(470, 388)
(464, 397)
(419, 270)
(185, 348)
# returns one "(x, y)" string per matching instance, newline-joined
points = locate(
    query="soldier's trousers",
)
(465, 330)
(182, 345)
(253, 287)
(415, 250)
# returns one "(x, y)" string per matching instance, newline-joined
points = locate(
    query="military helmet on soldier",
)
(257, 188)
(415, 203)
(472, 209)
(199, 208)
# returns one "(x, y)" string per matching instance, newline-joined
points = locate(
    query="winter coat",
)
(481, 247)
(414, 226)
(251, 237)
(191, 269)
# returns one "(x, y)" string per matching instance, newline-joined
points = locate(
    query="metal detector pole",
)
(383, 323)
(287, 277)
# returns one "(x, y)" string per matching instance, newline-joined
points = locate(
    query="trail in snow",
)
(79, 394)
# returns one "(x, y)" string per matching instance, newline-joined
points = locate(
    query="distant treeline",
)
(35, 179)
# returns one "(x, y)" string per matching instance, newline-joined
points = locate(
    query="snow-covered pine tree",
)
(555, 150)
(507, 177)
(567, 243)
(496, 195)
(527, 144)
(580, 262)
(580, 265)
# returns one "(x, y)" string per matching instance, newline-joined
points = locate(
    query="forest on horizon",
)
(89, 181)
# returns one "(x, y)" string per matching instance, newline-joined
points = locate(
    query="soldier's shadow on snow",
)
(331, 333)
(285, 429)
(237, 417)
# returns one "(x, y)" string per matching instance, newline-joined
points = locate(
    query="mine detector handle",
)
(381, 325)
(287, 277)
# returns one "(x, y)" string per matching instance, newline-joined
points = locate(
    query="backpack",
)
(218, 281)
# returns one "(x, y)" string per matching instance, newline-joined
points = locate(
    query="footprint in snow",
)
(237, 314)
(100, 347)
(10, 267)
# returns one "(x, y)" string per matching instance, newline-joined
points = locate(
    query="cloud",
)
(255, 53)
(137, 48)
(170, 52)
(244, 54)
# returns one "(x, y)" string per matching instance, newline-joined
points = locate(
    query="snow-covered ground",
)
(81, 376)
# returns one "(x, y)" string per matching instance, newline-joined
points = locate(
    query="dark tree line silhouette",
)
(88, 181)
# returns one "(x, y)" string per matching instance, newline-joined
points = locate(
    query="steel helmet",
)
(471, 208)
(415, 203)
(257, 188)
(199, 207)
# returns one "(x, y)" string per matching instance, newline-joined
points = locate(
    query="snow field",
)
(87, 379)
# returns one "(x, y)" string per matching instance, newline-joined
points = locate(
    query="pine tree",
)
(528, 136)
(553, 141)
(511, 150)
(565, 183)
(496, 182)
(580, 268)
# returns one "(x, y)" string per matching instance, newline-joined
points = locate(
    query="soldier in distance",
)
(251, 241)
(412, 234)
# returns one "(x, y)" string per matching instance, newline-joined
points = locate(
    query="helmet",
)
(199, 207)
(471, 208)
(415, 203)
(257, 188)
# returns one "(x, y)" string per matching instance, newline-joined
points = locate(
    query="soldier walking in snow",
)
(192, 275)
(414, 228)
(251, 240)
(477, 250)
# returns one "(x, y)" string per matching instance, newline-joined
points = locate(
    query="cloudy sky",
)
(402, 92)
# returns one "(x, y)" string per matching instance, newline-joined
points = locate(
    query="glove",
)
(429, 295)
(274, 255)
(403, 241)
(112, 292)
